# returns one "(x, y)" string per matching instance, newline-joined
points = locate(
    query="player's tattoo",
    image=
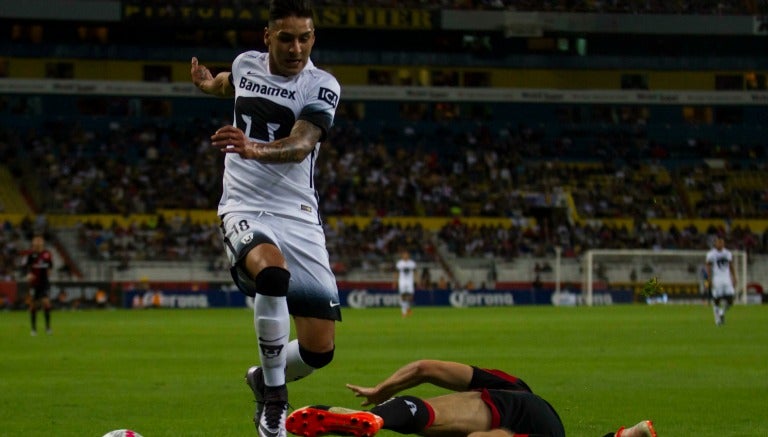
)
(293, 148)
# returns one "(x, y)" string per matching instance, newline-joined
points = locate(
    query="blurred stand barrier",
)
(139, 295)
(188, 295)
(363, 297)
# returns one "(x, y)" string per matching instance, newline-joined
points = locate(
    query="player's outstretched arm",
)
(446, 374)
(216, 86)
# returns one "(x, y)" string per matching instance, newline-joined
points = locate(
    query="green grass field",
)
(180, 372)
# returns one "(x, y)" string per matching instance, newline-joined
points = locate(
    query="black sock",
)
(405, 414)
(47, 314)
(33, 318)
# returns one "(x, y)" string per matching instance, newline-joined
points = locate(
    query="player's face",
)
(719, 244)
(290, 42)
(38, 244)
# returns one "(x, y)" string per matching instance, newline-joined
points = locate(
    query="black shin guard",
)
(272, 281)
(405, 414)
(316, 360)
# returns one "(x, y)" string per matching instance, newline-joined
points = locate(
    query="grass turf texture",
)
(180, 372)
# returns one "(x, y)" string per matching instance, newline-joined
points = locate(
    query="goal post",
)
(676, 270)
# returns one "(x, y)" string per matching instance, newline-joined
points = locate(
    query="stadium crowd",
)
(140, 169)
(713, 7)
(15, 240)
(476, 172)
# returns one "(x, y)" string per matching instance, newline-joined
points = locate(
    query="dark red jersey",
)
(496, 379)
(513, 406)
(39, 264)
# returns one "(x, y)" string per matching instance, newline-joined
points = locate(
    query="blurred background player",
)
(284, 107)
(405, 279)
(38, 265)
(485, 403)
(722, 279)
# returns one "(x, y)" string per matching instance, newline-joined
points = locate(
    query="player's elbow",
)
(425, 370)
(303, 148)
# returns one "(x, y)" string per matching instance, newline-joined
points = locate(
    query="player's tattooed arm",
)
(293, 148)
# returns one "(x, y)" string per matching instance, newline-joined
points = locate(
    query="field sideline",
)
(180, 372)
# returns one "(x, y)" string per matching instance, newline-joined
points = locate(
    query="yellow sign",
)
(336, 17)
(375, 18)
(195, 14)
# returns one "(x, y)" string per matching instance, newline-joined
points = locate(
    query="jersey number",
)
(240, 226)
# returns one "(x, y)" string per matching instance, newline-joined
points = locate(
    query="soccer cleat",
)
(33, 333)
(642, 429)
(318, 420)
(272, 420)
(720, 318)
(254, 377)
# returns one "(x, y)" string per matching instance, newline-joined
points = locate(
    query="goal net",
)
(680, 274)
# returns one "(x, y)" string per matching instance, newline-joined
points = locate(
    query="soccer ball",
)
(122, 433)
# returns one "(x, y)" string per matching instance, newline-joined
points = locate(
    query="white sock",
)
(273, 328)
(295, 367)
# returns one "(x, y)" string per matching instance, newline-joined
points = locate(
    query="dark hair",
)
(279, 9)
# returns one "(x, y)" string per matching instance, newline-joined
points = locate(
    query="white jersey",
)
(406, 269)
(720, 260)
(266, 108)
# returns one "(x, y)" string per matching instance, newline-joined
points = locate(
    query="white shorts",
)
(406, 289)
(722, 288)
(312, 291)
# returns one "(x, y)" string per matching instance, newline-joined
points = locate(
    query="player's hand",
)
(201, 76)
(371, 394)
(230, 139)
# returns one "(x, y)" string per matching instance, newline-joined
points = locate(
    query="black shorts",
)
(522, 413)
(39, 292)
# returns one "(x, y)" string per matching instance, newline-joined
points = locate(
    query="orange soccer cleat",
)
(642, 429)
(319, 420)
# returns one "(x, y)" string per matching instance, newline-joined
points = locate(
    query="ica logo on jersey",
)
(328, 96)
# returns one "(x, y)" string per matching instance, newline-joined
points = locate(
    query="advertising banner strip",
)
(400, 93)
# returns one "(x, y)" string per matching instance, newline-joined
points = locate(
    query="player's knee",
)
(316, 360)
(272, 281)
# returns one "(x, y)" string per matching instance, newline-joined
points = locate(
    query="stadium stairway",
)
(11, 199)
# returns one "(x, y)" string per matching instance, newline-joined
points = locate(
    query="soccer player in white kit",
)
(722, 279)
(405, 280)
(284, 107)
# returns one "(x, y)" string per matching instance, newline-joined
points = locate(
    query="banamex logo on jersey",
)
(328, 96)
